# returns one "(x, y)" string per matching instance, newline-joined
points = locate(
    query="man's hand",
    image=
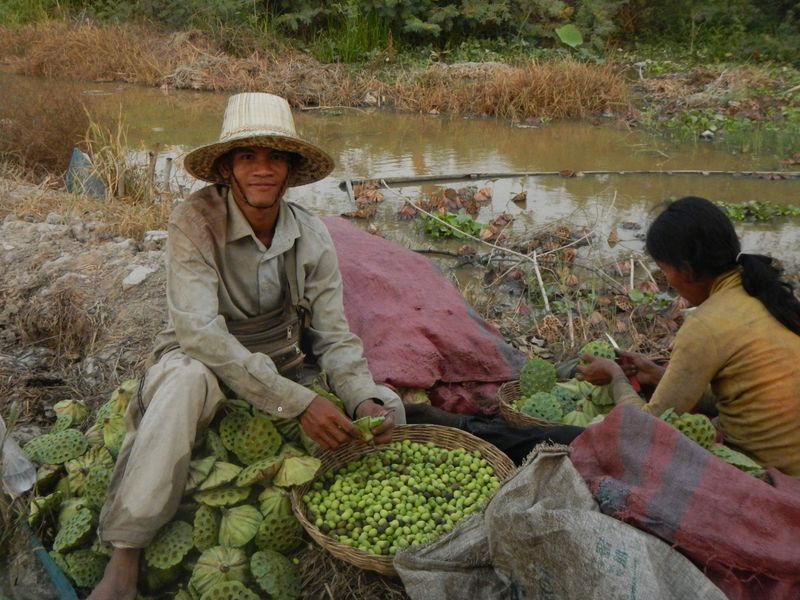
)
(646, 371)
(370, 408)
(326, 425)
(598, 371)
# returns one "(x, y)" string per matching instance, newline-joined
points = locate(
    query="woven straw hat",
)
(260, 120)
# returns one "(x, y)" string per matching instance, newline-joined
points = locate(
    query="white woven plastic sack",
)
(542, 537)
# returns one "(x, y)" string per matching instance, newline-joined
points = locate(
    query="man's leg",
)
(181, 396)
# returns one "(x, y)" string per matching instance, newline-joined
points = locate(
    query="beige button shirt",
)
(218, 270)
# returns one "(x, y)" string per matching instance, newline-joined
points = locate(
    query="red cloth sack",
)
(417, 329)
(741, 531)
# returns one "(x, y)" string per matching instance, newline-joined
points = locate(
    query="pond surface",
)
(374, 144)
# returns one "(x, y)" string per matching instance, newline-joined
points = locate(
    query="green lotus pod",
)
(182, 594)
(250, 438)
(170, 546)
(106, 410)
(536, 375)
(32, 448)
(121, 396)
(72, 408)
(58, 558)
(216, 565)
(275, 501)
(75, 532)
(239, 525)
(62, 423)
(47, 476)
(541, 405)
(220, 474)
(114, 433)
(96, 486)
(365, 425)
(156, 579)
(230, 590)
(85, 567)
(699, 428)
(291, 450)
(94, 435)
(288, 428)
(333, 398)
(68, 509)
(198, 472)
(262, 471)
(214, 445)
(567, 398)
(310, 445)
(282, 533)
(44, 506)
(597, 419)
(78, 468)
(238, 405)
(205, 534)
(577, 418)
(297, 470)
(737, 459)
(276, 575)
(598, 348)
(601, 397)
(102, 548)
(63, 486)
(225, 496)
(588, 408)
(58, 448)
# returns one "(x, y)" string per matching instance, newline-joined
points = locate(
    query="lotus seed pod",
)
(44, 506)
(297, 470)
(62, 423)
(216, 565)
(198, 472)
(288, 428)
(238, 405)
(220, 474)
(288, 450)
(75, 532)
(567, 398)
(230, 590)
(274, 501)
(78, 468)
(170, 546)
(62, 446)
(114, 433)
(47, 476)
(72, 408)
(182, 594)
(577, 418)
(106, 410)
(250, 438)
(214, 445)
(537, 375)
(156, 579)
(737, 459)
(205, 534)
(321, 391)
(69, 508)
(698, 428)
(365, 426)
(58, 558)
(225, 496)
(96, 486)
(102, 548)
(308, 444)
(262, 471)
(239, 525)
(85, 568)
(94, 435)
(598, 348)
(282, 533)
(121, 397)
(275, 575)
(541, 405)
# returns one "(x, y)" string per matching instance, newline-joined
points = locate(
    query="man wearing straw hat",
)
(251, 279)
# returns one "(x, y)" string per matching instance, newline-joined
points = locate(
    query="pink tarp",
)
(742, 532)
(418, 331)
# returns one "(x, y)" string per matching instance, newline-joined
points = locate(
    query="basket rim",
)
(511, 414)
(501, 464)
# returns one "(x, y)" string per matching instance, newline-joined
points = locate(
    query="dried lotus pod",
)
(230, 590)
(170, 546)
(216, 565)
(198, 472)
(226, 496)
(262, 471)
(297, 470)
(275, 575)
(75, 531)
(85, 567)
(220, 474)
(205, 533)
(282, 533)
(250, 437)
(239, 525)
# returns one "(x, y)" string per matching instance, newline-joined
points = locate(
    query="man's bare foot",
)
(120, 577)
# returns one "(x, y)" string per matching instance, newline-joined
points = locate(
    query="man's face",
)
(260, 173)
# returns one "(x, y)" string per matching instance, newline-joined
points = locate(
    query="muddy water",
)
(374, 144)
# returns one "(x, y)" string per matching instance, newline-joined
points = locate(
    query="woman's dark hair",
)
(694, 234)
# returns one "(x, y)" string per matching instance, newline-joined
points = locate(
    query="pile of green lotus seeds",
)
(405, 494)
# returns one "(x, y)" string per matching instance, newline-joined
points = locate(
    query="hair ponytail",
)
(761, 279)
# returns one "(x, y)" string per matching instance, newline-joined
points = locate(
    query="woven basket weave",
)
(509, 393)
(444, 437)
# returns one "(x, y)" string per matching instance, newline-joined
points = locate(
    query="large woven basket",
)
(509, 393)
(444, 437)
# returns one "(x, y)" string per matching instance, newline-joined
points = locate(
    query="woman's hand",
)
(646, 371)
(370, 408)
(326, 424)
(598, 371)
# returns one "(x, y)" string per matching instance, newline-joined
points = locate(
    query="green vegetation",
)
(460, 224)
(755, 210)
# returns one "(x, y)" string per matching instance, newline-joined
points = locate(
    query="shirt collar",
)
(286, 229)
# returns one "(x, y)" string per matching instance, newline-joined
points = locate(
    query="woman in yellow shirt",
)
(742, 340)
